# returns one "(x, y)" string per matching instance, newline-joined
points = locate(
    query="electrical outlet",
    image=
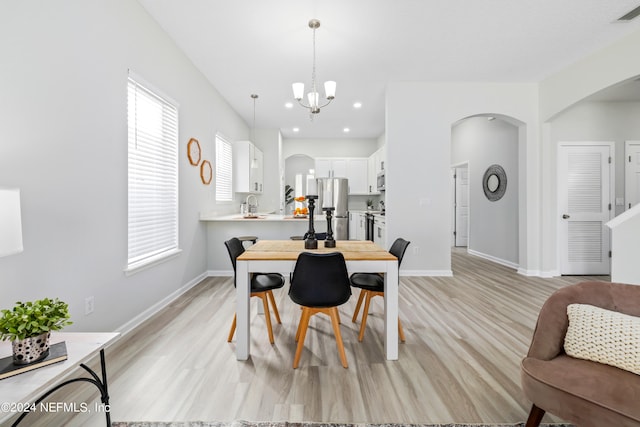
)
(416, 250)
(89, 304)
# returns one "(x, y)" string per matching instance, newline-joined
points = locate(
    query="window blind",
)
(152, 176)
(224, 170)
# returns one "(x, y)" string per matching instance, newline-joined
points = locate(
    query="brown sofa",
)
(583, 392)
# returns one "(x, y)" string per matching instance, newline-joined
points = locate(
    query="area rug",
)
(288, 424)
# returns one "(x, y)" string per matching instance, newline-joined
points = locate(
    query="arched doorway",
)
(485, 161)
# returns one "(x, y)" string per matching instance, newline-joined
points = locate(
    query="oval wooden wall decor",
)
(193, 151)
(206, 172)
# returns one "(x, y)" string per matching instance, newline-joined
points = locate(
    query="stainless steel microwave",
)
(381, 179)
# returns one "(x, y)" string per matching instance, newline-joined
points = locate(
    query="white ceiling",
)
(258, 46)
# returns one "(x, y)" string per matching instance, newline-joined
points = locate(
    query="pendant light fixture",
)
(313, 97)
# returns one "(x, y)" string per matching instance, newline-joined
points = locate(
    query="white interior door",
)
(462, 206)
(632, 174)
(459, 205)
(584, 202)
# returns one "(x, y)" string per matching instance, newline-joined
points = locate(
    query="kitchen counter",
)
(259, 218)
(267, 226)
(366, 211)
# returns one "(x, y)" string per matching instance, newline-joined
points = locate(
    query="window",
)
(153, 175)
(224, 170)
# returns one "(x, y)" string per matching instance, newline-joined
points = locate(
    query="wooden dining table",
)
(281, 255)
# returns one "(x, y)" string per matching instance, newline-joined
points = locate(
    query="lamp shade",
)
(330, 89)
(313, 98)
(298, 90)
(10, 222)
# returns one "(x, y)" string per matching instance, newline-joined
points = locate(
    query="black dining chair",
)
(372, 284)
(320, 283)
(262, 286)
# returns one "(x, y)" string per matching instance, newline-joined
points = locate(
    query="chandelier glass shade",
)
(313, 97)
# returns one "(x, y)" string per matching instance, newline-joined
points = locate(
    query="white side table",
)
(25, 390)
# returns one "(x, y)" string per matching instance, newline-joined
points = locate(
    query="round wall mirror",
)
(494, 182)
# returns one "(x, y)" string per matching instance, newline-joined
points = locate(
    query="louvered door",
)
(584, 193)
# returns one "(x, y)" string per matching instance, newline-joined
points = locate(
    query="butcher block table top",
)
(352, 250)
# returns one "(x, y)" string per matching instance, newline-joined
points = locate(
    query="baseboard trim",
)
(219, 273)
(155, 308)
(492, 258)
(550, 273)
(528, 273)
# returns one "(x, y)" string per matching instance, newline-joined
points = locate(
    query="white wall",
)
(612, 65)
(624, 245)
(418, 132)
(355, 147)
(589, 121)
(601, 121)
(493, 226)
(63, 142)
(606, 67)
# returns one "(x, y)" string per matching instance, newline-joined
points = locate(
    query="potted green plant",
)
(288, 194)
(28, 326)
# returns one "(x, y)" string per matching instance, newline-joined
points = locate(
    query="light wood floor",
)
(465, 337)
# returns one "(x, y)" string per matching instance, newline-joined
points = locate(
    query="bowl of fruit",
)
(301, 212)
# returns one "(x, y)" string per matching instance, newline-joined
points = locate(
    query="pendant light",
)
(313, 97)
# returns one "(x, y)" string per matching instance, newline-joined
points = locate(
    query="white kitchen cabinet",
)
(355, 169)
(375, 166)
(372, 182)
(361, 226)
(331, 168)
(357, 172)
(380, 231)
(248, 170)
(353, 225)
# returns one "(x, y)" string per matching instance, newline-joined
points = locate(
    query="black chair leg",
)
(535, 416)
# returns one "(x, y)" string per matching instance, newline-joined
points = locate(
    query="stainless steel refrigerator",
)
(334, 192)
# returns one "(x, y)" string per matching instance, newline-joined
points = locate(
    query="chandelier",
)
(313, 97)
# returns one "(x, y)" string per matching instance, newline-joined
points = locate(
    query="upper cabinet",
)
(357, 174)
(375, 165)
(248, 171)
(331, 167)
(353, 168)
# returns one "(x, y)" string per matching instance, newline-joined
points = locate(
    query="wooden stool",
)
(252, 239)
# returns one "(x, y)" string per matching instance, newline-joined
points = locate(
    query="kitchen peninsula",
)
(265, 226)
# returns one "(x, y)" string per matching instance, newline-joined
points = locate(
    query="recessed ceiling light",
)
(296, 129)
(288, 105)
(357, 105)
(346, 130)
